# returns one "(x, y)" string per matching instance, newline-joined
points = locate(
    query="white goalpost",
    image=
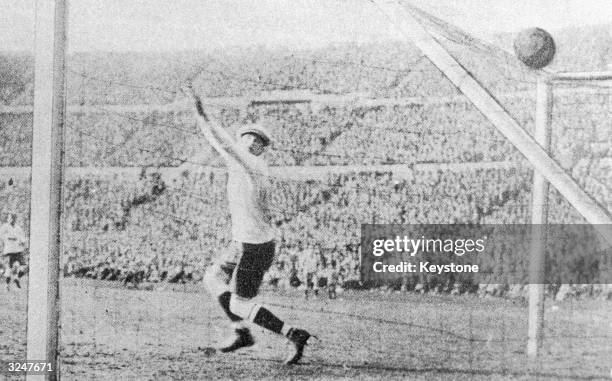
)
(46, 196)
(539, 216)
(539, 200)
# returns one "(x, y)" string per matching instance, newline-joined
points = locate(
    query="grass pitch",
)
(114, 333)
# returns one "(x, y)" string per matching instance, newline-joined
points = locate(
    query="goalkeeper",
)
(235, 276)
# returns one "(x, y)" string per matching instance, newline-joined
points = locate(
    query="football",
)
(535, 47)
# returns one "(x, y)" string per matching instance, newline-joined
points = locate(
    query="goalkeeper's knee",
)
(215, 280)
(242, 307)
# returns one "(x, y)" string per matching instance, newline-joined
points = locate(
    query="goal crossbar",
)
(582, 76)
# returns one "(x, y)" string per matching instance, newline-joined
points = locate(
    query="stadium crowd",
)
(156, 227)
(326, 135)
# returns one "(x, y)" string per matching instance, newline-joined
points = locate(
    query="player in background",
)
(235, 276)
(310, 270)
(333, 279)
(14, 240)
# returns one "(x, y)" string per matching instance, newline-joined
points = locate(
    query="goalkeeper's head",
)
(254, 137)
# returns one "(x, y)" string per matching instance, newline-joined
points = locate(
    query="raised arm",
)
(222, 141)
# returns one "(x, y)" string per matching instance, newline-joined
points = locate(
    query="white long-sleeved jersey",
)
(247, 200)
(247, 187)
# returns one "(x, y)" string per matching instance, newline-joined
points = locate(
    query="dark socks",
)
(224, 301)
(268, 320)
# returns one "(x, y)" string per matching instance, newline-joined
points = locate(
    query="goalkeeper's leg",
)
(262, 316)
(256, 259)
(217, 280)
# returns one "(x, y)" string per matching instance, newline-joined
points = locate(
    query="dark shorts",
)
(243, 267)
(14, 258)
